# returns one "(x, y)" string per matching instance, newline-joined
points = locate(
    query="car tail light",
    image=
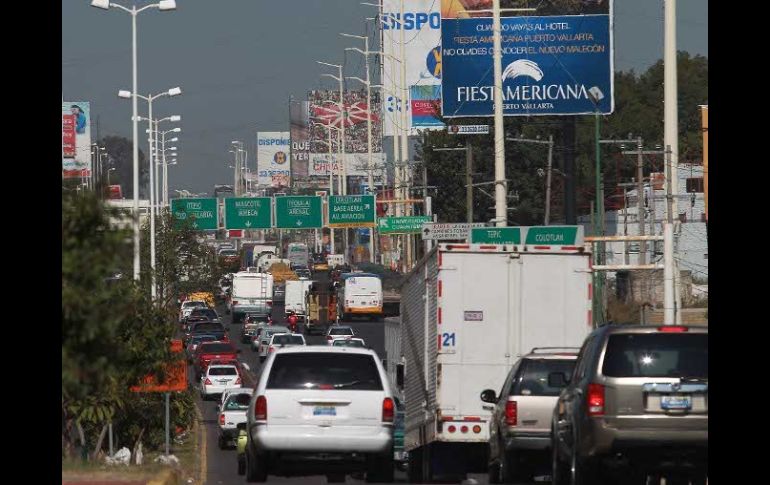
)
(387, 410)
(222, 419)
(269, 303)
(207, 382)
(235, 302)
(511, 413)
(595, 400)
(328, 337)
(260, 409)
(463, 429)
(238, 380)
(451, 428)
(270, 349)
(672, 329)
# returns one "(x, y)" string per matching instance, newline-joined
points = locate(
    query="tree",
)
(120, 155)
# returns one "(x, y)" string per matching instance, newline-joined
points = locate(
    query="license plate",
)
(324, 411)
(224, 382)
(676, 402)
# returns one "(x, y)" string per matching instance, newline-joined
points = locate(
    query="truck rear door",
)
(474, 325)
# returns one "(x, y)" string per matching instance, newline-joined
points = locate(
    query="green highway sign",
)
(402, 225)
(298, 212)
(203, 213)
(247, 212)
(496, 235)
(351, 211)
(555, 236)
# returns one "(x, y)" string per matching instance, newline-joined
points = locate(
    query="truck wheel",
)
(414, 466)
(379, 468)
(559, 469)
(256, 468)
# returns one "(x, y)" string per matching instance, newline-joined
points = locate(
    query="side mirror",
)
(400, 376)
(488, 395)
(557, 380)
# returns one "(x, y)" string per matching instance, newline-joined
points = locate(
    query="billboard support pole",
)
(168, 421)
(501, 203)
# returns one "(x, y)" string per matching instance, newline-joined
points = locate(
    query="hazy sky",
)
(238, 61)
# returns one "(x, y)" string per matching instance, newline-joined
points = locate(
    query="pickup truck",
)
(232, 412)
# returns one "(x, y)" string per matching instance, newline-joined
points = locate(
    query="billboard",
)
(559, 62)
(425, 106)
(273, 158)
(76, 139)
(324, 111)
(422, 40)
(299, 129)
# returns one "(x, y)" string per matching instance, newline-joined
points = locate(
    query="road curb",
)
(202, 470)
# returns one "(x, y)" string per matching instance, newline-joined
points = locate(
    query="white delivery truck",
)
(359, 294)
(468, 311)
(296, 291)
(252, 293)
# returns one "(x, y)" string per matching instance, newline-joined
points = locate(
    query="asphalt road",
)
(221, 466)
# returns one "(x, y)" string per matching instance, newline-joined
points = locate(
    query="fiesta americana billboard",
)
(552, 64)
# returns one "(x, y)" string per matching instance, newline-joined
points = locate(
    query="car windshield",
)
(533, 377)
(308, 370)
(288, 340)
(208, 326)
(193, 304)
(238, 402)
(270, 331)
(204, 312)
(341, 331)
(222, 371)
(216, 348)
(348, 343)
(202, 338)
(657, 355)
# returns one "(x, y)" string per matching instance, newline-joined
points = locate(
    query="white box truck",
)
(468, 311)
(252, 293)
(296, 291)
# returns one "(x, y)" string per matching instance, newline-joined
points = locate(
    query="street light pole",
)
(162, 5)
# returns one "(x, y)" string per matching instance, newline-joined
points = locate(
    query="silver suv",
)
(520, 428)
(637, 404)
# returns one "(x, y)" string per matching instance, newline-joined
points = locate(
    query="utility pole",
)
(640, 200)
(538, 141)
(501, 186)
(468, 181)
(669, 282)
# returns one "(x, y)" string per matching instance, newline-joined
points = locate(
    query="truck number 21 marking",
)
(448, 339)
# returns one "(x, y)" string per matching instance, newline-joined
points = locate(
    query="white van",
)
(295, 297)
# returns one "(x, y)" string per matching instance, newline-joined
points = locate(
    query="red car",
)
(208, 351)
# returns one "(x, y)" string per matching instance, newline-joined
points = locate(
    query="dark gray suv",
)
(636, 405)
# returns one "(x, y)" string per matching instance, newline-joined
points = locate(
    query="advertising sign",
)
(76, 139)
(555, 64)
(273, 158)
(468, 129)
(422, 47)
(114, 192)
(426, 106)
(299, 129)
(325, 116)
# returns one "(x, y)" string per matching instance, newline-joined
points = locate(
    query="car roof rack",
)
(550, 350)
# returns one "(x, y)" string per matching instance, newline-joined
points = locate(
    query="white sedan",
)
(218, 378)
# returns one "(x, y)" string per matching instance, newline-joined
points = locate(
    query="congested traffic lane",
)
(221, 465)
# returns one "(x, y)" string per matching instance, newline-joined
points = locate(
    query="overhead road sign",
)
(351, 211)
(202, 212)
(496, 235)
(248, 212)
(439, 231)
(402, 225)
(298, 212)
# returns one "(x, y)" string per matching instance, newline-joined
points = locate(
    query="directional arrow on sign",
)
(426, 231)
(195, 225)
(247, 224)
(299, 223)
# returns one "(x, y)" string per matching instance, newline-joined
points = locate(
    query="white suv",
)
(321, 410)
